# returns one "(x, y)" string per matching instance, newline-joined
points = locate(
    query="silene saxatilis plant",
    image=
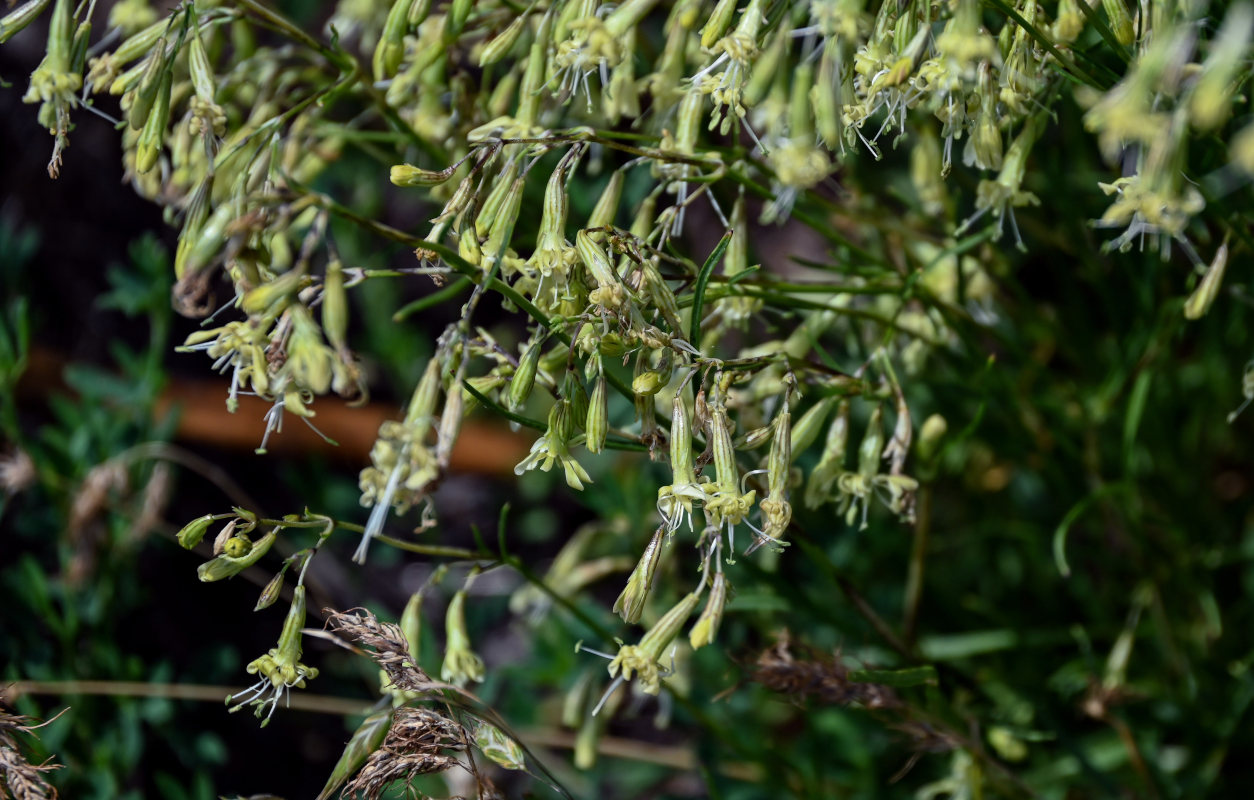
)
(674, 202)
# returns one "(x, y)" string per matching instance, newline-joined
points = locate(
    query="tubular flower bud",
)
(20, 17)
(806, 431)
(148, 148)
(574, 392)
(335, 306)
(706, 627)
(409, 175)
(391, 48)
(1070, 23)
(411, 626)
(1120, 21)
(524, 377)
(502, 228)
(930, 435)
(1208, 289)
(503, 42)
(597, 424)
(280, 669)
(643, 659)
(832, 463)
(630, 602)
(271, 299)
(271, 591)
(606, 209)
(495, 200)
(719, 22)
(194, 531)
(461, 664)
(1211, 99)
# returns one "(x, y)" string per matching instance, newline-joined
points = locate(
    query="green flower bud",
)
(502, 229)
(335, 306)
(145, 96)
(418, 11)
(271, 591)
(153, 135)
(310, 362)
(597, 424)
(411, 626)
(719, 23)
(461, 664)
(766, 68)
(270, 299)
(495, 200)
(630, 602)
(706, 627)
(199, 68)
(194, 531)
(503, 42)
(409, 175)
(872, 447)
(391, 47)
(606, 209)
(20, 17)
(806, 431)
(1208, 289)
(828, 96)
(524, 377)
(1120, 21)
(933, 430)
(1211, 100)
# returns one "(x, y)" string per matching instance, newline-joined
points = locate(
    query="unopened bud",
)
(270, 593)
(524, 377)
(411, 626)
(606, 209)
(1204, 295)
(630, 602)
(409, 175)
(597, 424)
(503, 42)
(930, 435)
(706, 627)
(194, 531)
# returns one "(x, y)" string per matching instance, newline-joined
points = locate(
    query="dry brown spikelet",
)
(414, 746)
(20, 779)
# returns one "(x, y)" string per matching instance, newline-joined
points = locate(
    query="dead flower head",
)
(415, 745)
(19, 778)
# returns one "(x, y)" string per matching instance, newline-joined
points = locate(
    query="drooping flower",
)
(280, 669)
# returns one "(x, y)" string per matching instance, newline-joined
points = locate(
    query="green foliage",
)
(893, 508)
